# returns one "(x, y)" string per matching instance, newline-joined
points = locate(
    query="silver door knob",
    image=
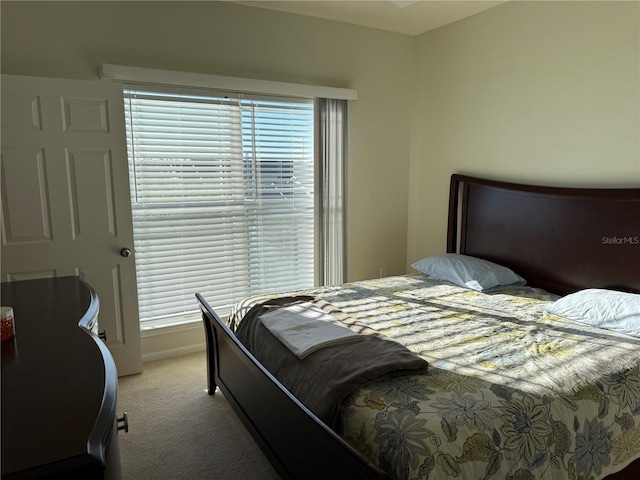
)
(125, 252)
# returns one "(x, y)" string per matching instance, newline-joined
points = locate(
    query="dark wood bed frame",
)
(559, 239)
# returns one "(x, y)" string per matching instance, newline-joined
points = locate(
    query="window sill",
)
(177, 324)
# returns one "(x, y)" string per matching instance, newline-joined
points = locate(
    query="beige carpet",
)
(177, 431)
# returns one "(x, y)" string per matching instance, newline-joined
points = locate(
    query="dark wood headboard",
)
(559, 239)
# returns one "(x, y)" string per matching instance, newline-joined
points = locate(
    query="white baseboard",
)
(175, 352)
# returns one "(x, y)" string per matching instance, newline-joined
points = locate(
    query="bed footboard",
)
(295, 441)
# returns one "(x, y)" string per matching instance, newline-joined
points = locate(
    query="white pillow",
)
(468, 272)
(610, 309)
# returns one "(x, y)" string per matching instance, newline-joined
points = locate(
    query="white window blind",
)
(222, 192)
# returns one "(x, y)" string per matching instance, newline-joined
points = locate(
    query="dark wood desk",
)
(59, 385)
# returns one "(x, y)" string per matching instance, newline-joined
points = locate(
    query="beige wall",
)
(536, 92)
(70, 40)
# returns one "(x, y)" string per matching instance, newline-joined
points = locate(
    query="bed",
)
(480, 409)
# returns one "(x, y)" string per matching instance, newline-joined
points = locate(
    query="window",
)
(222, 191)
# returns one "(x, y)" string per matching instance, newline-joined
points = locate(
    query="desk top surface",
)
(53, 373)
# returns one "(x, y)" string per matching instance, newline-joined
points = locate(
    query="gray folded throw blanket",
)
(324, 378)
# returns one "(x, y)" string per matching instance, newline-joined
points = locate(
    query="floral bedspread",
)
(511, 392)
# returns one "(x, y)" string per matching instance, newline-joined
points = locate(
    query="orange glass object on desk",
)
(7, 325)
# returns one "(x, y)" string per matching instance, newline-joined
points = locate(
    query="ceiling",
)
(409, 17)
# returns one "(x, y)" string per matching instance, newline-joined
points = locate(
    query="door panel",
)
(28, 214)
(91, 194)
(66, 207)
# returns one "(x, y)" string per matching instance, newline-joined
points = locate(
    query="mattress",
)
(511, 391)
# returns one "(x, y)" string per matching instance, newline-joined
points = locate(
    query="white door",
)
(66, 207)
